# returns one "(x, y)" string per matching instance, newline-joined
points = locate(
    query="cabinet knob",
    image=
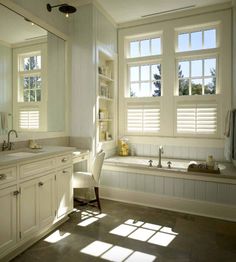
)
(65, 172)
(64, 160)
(3, 176)
(17, 192)
(40, 183)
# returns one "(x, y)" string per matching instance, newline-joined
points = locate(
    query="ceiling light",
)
(64, 8)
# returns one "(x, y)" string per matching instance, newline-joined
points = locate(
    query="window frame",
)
(193, 58)
(41, 106)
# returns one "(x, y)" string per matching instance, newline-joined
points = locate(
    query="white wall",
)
(90, 29)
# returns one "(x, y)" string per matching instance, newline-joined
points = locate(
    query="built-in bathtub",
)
(130, 179)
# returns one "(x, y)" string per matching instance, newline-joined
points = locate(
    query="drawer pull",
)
(3, 176)
(17, 192)
(63, 160)
(40, 183)
(65, 172)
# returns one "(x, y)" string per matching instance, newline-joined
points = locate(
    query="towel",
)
(3, 120)
(227, 123)
(229, 135)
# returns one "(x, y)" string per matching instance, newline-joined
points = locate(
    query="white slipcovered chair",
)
(91, 179)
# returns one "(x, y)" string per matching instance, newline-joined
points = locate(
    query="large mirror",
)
(32, 76)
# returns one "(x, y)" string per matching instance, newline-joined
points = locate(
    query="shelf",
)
(106, 141)
(105, 78)
(105, 120)
(105, 98)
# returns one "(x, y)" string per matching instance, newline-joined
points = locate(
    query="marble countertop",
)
(25, 154)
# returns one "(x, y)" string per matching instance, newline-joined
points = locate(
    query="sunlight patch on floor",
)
(146, 232)
(89, 217)
(116, 253)
(56, 236)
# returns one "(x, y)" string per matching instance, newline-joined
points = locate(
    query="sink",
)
(22, 154)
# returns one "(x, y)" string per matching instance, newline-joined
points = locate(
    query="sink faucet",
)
(161, 151)
(8, 145)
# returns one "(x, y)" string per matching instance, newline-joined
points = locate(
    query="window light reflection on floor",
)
(116, 253)
(152, 233)
(56, 236)
(90, 217)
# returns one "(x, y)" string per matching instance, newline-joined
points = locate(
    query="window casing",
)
(215, 86)
(30, 88)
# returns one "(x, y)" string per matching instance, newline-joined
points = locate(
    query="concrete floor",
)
(161, 236)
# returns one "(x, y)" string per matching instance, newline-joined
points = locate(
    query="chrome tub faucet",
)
(161, 151)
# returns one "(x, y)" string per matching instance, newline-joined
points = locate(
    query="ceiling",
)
(128, 10)
(14, 29)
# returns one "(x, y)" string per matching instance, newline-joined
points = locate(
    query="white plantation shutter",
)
(29, 119)
(143, 119)
(197, 119)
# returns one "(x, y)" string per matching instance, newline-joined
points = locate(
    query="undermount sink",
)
(22, 154)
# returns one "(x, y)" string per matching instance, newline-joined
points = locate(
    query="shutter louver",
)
(141, 119)
(198, 119)
(29, 119)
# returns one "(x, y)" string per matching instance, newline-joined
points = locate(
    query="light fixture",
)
(64, 8)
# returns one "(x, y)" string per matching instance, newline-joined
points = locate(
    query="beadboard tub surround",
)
(129, 179)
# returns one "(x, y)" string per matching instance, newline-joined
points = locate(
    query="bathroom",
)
(118, 75)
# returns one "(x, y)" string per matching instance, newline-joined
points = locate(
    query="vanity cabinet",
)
(8, 218)
(64, 191)
(37, 207)
(35, 197)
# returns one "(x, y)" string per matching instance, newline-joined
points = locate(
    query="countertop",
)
(9, 157)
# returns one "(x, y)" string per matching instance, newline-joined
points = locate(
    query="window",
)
(145, 80)
(30, 88)
(143, 118)
(197, 119)
(197, 77)
(197, 40)
(30, 84)
(145, 47)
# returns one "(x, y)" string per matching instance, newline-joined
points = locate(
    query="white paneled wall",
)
(220, 193)
(181, 152)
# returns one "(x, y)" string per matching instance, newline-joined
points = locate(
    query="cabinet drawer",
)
(77, 159)
(38, 167)
(64, 160)
(7, 175)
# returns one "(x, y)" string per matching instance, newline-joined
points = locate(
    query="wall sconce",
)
(64, 8)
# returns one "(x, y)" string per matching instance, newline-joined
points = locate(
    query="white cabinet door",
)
(64, 191)
(7, 218)
(46, 199)
(29, 210)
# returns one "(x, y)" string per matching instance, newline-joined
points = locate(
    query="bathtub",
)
(227, 170)
(130, 179)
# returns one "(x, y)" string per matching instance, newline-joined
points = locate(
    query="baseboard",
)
(201, 208)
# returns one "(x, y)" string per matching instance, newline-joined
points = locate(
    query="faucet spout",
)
(9, 143)
(161, 151)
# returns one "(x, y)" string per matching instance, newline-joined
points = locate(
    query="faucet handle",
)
(4, 145)
(169, 164)
(150, 163)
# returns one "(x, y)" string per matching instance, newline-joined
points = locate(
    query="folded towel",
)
(229, 136)
(227, 123)
(3, 120)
